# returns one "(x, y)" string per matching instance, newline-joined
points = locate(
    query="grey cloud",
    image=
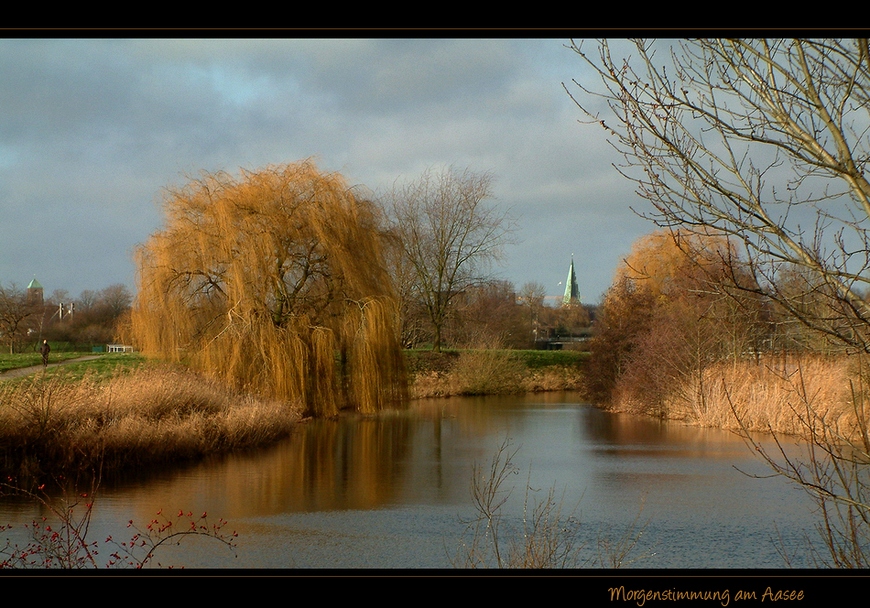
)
(91, 131)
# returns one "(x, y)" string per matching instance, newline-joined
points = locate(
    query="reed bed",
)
(50, 425)
(776, 394)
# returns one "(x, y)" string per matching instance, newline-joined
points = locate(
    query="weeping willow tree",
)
(274, 281)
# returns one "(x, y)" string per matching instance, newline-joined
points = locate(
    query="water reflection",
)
(389, 491)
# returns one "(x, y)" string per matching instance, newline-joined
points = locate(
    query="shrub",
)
(60, 539)
(488, 372)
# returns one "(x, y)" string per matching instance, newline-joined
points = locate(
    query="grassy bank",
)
(113, 416)
(489, 372)
(123, 412)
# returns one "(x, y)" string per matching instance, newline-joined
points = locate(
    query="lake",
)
(394, 491)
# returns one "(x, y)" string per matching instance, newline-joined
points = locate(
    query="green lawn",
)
(18, 360)
(424, 359)
(419, 360)
(102, 367)
(535, 359)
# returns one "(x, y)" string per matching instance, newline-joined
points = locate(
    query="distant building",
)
(119, 348)
(572, 291)
(35, 293)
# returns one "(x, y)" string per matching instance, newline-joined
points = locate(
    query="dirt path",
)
(26, 371)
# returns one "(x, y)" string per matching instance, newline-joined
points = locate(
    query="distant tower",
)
(572, 292)
(34, 293)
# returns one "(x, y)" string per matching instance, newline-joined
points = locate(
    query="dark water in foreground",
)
(392, 491)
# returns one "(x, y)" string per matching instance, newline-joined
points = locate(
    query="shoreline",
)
(142, 414)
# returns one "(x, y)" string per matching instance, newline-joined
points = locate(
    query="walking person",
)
(44, 350)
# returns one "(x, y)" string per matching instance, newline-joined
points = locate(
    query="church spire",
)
(34, 293)
(572, 292)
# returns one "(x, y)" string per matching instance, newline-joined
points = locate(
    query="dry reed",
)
(50, 426)
(769, 395)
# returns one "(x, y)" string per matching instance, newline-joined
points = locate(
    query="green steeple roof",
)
(572, 291)
(34, 284)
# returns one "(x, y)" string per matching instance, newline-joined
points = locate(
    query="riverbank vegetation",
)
(125, 412)
(681, 337)
(750, 155)
(131, 419)
(493, 372)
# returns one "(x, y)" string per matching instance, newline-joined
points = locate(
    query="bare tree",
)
(767, 143)
(15, 311)
(449, 235)
(532, 296)
(59, 295)
(87, 299)
(487, 316)
(414, 328)
(116, 299)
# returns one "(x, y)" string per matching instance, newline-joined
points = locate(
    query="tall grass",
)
(771, 395)
(768, 395)
(51, 426)
(487, 372)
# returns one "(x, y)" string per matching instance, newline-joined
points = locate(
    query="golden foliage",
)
(274, 282)
(679, 303)
(668, 262)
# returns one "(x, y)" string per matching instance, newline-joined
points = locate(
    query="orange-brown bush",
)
(676, 307)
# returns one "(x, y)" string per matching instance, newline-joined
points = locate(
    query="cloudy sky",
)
(92, 132)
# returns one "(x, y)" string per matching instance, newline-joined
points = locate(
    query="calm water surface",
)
(393, 491)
